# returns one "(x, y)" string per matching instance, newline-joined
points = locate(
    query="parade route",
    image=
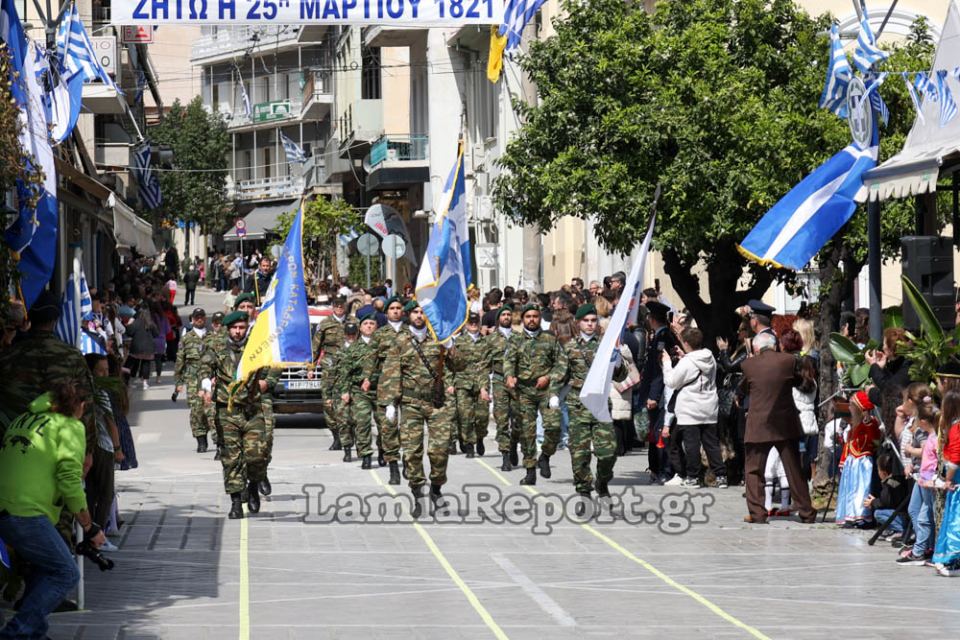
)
(185, 571)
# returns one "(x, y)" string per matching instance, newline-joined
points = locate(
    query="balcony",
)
(265, 114)
(224, 42)
(112, 154)
(317, 96)
(268, 188)
(392, 36)
(98, 98)
(398, 161)
(360, 125)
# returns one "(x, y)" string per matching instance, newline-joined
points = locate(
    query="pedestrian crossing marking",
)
(687, 591)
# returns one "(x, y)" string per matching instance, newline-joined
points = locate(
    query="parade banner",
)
(408, 13)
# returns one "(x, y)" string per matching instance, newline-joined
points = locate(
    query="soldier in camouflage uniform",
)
(584, 427)
(407, 388)
(187, 375)
(209, 409)
(359, 404)
(388, 432)
(239, 415)
(335, 376)
(327, 340)
(535, 365)
(504, 399)
(472, 413)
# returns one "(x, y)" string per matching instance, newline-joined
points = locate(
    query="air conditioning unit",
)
(484, 208)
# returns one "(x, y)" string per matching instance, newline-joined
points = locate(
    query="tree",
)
(196, 190)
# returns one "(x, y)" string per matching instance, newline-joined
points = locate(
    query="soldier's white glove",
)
(554, 402)
(447, 344)
(391, 413)
(206, 385)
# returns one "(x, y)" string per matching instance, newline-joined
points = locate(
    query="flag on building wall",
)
(149, 184)
(516, 15)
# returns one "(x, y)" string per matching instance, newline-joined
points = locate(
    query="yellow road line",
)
(244, 583)
(687, 591)
(467, 591)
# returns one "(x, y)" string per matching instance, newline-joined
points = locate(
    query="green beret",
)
(368, 314)
(235, 316)
(410, 306)
(505, 307)
(585, 310)
(529, 307)
(391, 300)
(245, 297)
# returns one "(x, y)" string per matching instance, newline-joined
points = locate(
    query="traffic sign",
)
(136, 34)
(367, 244)
(241, 226)
(394, 246)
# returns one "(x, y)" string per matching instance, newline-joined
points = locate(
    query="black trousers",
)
(695, 435)
(99, 486)
(189, 297)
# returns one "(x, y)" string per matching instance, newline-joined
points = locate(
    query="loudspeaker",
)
(928, 262)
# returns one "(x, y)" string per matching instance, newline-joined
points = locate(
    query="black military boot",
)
(452, 449)
(436, 497)
(253, 499)
(335, 446)
(265, 487)
(394, 473)
(544, 464)
(417, 510)
(217, 456)
(581, 506)
(469, 450)
(381, 461)
(530, 478)
(514, 455)
(602, 489)
(463, 445)
(367, 462)
(506, 466)
(236, 506)
(201, 444)
(480, 448)
(347, 457)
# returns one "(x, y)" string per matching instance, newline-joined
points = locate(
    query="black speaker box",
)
(928, 262)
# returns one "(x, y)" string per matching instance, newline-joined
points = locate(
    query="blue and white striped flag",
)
(873, 82)
(293, 151)
(798, 226)
(90, 343)
(948, 106)
(445, 270)
(245, 100)
(68, 326)
(348, 237)
(516, 15)
(867, 54)
(150, 194)
(915, 98)
(75, 51)
(926, 87)
(834, 96)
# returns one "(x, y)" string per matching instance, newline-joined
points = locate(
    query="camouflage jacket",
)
(353, 361)
(406, 376)
(475, 375)
(211, 337)
(495, 348)
(381, 342)
(580, 355)
(188, 358)
(528, 358)
(219, 364)
(328, 339)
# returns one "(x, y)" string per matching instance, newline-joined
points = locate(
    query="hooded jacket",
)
(694, 378)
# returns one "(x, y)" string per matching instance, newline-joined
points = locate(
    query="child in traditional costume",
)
(856, 464)
(946, 553)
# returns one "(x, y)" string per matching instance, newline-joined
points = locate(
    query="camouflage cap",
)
(198, 313)
(244, 297)
(236, 316)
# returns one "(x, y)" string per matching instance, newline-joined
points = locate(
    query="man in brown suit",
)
(772, 421)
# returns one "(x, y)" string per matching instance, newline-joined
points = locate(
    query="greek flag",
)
(245, 99)
(873, 81)
(834, 96)
(948, 106)
(516, 15)
(150, 194)
(69, 326)
(798, 226)
(294, 153)
(348, 237)
(445, 270)
(867, 53)
(75, 51)
(914, 96)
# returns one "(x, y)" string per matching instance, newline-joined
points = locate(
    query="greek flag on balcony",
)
(75, 51)
(294, 153)
(867, 53)
(834, 97)
(150, 194)
(445, 270)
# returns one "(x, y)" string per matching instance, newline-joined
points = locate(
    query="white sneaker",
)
(675, 481)
(948, 572)
(109, 547)
(146, 385)
(691, 483)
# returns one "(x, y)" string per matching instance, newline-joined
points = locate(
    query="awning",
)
(262, 219)
(929, 146)
(131, 230)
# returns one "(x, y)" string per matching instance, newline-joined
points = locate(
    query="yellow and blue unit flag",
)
(281, 334)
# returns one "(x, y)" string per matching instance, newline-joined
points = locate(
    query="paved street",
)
(185, 571)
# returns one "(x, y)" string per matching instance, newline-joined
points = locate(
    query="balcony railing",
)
(265, 115)
(318, 83)
(314, 171)
(269, 188)
(227, 39)
(399, 148)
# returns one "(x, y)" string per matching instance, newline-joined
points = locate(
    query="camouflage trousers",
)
(244, 450)
(531, 401)
(584, 430)
(360, 416)
(198, 411)
(439, 424)
(472, 415)
(269, 420)
(330, 415)
(210, 411)
(388, 436)
(505, 415)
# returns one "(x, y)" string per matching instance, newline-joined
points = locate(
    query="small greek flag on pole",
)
(834, 97)
(294, 152)
(867, 53)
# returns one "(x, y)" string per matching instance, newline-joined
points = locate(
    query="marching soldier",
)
(535, 365)
(209, 409)
(359, 404)
(413, 384)
(327, 341)
(472, 412)
(335, 377)
(585, 429)
(382, 341)
(187, 375)
(504, 399)
(239, 416)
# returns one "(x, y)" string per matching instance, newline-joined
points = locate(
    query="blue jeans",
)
(53, 572)
(921, 514)
(564, 425)
(895, 526)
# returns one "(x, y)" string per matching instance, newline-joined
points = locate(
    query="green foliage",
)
(856, 370)
(358, 268)
(197, 193)
(933, 347)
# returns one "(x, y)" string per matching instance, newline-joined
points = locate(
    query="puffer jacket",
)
(694, 378)
(806, 405)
